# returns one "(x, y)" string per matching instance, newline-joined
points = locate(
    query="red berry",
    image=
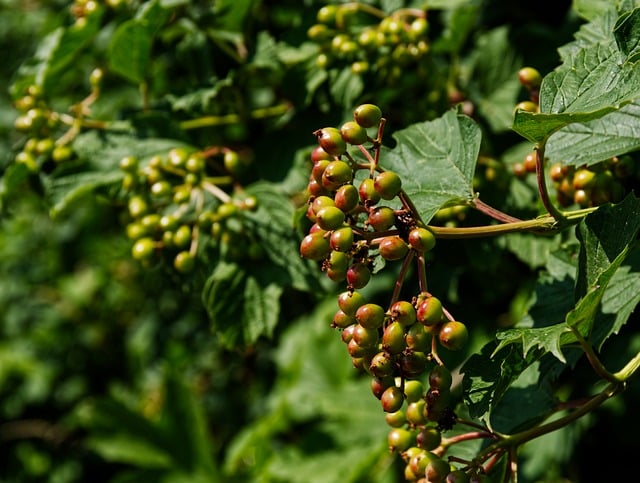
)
(370, 315)
(422, 239)
(453, 335)
(314, 246)
(393, 248)
(331, 141)
(392, 399)
(388, 184)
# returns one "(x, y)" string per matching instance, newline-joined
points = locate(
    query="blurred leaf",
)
(590, 9)
(436, 161)
(460, 18)
(345, 87)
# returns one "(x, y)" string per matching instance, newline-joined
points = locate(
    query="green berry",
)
(137, 206)
(530, 77)
(453, 335)
(413, 390)
(143, 248)
(182, 236)
(330, 218)
(388, 184)
(367, 115)
(320, 202)
(353, 133)
(399, 439)
(184, 262)
(396, 419)
(415, 412)
(342, 320)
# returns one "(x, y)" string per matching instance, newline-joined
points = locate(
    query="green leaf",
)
(590, 9)
(596, 78)
(130, 46)
(436, 161)
(345, 87)
(493, 81)
(460, 19)
(272, 223)
(60, 48)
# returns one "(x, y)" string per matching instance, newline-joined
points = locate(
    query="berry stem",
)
(629, 369)
(542, 185)
(593, 359)
(406, 263)
(207, 121)
(216, 191)
(481, 206)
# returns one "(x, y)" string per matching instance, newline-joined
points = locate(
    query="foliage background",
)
(110, 371)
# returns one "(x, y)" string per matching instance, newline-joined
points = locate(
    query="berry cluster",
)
(366, 38)
(360, 215)
(174, 202)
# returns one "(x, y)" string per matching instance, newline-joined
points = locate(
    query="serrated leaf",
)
(436, 161)
(587, 143)
(590, 9)
(596, 78)
(64, 193)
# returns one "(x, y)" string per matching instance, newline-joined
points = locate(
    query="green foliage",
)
(189, 126)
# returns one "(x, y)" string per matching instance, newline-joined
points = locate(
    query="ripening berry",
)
(368, 194)
(440, 377)
(393, 338)
(320, 202)
(412, 363)
(413, 390)
(437, 470)
(526, 106)
(381, 218)
(318, 169)
(399, 439)
(418, 338)
(367, 115)
(342, 239)
(314, 247)
(415, 412)
(428, 438)
(319, 154)
(396, 419)
(422, 239)
(358, 275)
(392, 399)
(347, 197)
(404, 312)
(365, 337)
(388, 184)
(331, 141)
(453, 335)
(380, 384)
(429, 312)
(370, 315)
(349, 302)
(584, 179)
(382, 365)
(342, 320)
(393, 248)
(335, 174)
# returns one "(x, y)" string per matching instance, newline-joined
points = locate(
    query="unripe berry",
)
(527, 106)
(143, 249)
(349, 302)
(413, 390)
(335, 174)
(358, 275)
(367, 115)
(392, 399)
(318, 169)
(453, 335)
(529, 77)
(353, 133)
(137, 206)
(584, 179)
(393, 248)
(314, 247)
(321, 202)
(338, 261)
(355, 350)
(437, 470)
(370, 316)
(429, 312)
(457, 476)
(415, 413)
(396, 419)
(331, 141)
(381, 218)
(388, 184)
(184, 262)
(422, 239)
(330, 218)
(399, 439)
(342, 239)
